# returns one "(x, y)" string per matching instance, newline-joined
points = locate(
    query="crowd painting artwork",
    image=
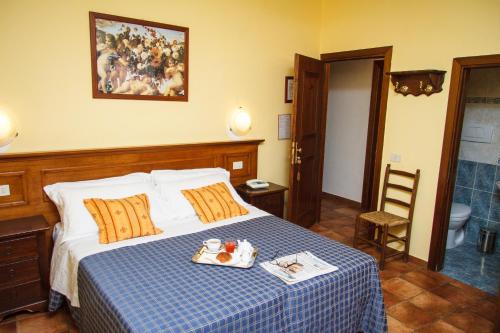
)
(140, 61)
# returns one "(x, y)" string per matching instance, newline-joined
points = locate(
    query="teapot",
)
(245, 249)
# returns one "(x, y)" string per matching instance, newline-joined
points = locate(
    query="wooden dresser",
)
(24, 265)
(271, 199)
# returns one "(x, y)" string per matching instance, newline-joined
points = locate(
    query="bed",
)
(149, 284)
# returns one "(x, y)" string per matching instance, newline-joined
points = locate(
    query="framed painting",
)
(288, 89)
(136, 59)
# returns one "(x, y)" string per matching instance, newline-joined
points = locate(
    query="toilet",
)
(459, 214)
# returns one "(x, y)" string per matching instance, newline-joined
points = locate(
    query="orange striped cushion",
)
(214, 203)
(119, 219)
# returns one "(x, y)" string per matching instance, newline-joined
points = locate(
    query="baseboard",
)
(346, 201)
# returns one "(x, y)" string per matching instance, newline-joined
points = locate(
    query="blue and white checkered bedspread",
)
(154, 287)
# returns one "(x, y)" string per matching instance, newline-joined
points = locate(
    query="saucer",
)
(213, 252)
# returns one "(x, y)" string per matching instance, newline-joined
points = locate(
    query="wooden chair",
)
(382, 220)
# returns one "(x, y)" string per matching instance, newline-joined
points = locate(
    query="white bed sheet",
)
(67, 255)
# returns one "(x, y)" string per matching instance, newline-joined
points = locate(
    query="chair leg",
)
(356, 232)
(385, 231)
(407, 243)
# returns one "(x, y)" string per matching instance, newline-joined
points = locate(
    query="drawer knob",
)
(12, 272)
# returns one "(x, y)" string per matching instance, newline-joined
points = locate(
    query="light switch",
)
(237, 165)
(4, 190)
(396, 158)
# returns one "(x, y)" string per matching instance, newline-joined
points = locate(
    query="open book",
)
(298, 267)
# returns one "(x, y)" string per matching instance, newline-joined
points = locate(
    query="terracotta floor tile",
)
(401, 288)
(423, 280)
(46, 323)
(469, 322)
(402, 267)
(456, 295)
(390, 299)
(431, 302)
(410, 315)
(318, 228)
(351, 212)
(470, 290)
(439, 327)
(485, 309)
(8, 327)
(387, 274)
(395, 326)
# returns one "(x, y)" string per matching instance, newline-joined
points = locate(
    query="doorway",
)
(349, 110)
(468, 174)
(309, 119)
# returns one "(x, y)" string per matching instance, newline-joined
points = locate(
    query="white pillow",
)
(53, 190)
(161, 176)
(79, 223)
(176, 202)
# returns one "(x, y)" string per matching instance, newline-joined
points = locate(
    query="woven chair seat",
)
(384, 218)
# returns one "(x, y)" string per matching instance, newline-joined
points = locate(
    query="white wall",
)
(346, 128)
(483, 83)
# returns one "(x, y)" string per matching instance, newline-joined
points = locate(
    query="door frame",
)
(376, 125)
(449, 153)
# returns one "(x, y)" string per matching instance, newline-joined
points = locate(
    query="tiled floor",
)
(416, 300)
(466, 264)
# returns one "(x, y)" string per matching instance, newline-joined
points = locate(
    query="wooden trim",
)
(93, 56)
(44, 168)
(118, 150)
(376, 126)
(349, 202)
(449, 154)
(371, 53)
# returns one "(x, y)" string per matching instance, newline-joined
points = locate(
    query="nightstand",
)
(271, 199)
(24, 265)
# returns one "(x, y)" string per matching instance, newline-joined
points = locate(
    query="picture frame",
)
(138, 59)
(285, 126)
(288, 89)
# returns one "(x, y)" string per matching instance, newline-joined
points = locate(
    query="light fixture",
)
(241, 122)
(8, 131)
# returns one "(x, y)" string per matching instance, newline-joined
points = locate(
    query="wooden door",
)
(304, 195)
(369, 196)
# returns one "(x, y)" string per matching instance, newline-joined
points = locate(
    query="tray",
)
(201, 256)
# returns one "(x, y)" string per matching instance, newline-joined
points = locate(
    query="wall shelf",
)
(427, 82)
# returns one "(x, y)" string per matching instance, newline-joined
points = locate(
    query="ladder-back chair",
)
(382, 221)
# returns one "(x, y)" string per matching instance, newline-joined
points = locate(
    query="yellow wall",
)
(240, 52)
(424, 34)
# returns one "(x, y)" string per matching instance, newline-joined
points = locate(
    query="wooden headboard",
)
(27, 173)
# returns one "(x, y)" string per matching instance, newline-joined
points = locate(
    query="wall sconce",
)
(8, 131)
(240, 123)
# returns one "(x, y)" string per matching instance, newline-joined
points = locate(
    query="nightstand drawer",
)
(21, 295)
(272, 203)
(13, 249)
(19, 272)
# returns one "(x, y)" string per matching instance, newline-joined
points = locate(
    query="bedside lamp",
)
(8, 131)
(240, 123)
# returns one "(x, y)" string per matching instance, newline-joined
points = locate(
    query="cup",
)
(230, 245)
(213, 244)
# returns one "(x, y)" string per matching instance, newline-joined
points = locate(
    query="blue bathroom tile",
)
(485, 176)
(480, 204)
(497, 179)
(472, 229)
(466, 264)
(496, 226)
(465, 173)
(462, 195)
(495, 208)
